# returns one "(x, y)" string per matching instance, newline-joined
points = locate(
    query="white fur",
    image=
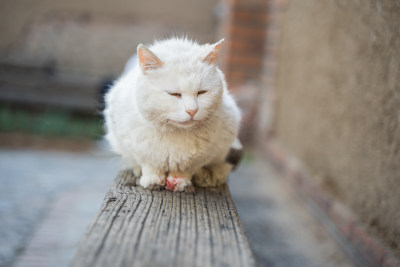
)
(151, 129)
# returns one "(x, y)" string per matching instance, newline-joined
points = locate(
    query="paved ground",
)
(280, 228)
(47, 200)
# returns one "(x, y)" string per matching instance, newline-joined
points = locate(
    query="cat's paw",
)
(137, 171)
(152, 181)
(177, 184)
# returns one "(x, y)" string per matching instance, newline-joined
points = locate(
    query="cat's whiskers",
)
(217, 115)
(159, 120)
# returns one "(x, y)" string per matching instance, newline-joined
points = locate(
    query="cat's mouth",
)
(187, 123)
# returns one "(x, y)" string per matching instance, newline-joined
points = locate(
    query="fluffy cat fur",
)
(171, 117)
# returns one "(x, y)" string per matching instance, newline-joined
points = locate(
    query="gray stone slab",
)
(281, 229)
(32, 181)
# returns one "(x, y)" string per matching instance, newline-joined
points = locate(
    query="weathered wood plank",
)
(139, 227)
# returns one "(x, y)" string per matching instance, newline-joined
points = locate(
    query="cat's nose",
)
(191, 112)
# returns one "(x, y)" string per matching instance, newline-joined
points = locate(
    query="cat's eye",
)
(178, 95)
(201, 92)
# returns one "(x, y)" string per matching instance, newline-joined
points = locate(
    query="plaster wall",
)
(338, 103)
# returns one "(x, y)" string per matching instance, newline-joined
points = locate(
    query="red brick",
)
(245, 48)
(258, 18)
(241, 15)
(246, 61)
(235, 75)
(249, 3)
(245, 42)
(237, 45)
(238, 78)
(247, 70)
(259, 33)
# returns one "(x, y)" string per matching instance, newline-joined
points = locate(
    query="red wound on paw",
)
(171, 182)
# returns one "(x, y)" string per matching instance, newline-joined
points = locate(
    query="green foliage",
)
(50, 123)
(247, 157)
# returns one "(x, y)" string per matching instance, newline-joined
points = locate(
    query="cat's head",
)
(179, 83)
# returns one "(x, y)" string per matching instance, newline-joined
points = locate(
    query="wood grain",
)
(139, 227)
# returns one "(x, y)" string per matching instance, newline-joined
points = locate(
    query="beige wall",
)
(338, 103)
(95, 37)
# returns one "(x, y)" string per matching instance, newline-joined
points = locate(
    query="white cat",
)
(171, 116)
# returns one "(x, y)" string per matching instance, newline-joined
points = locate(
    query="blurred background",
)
(319, 85)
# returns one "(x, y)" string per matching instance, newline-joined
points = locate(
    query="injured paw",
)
(177, 184)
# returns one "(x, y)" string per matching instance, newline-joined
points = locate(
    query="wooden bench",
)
(139, 227)
(45, 86)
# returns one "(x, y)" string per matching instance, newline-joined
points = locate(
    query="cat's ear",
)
(212, 57)
(147, 60)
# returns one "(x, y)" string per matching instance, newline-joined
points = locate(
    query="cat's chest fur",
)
(175, 150)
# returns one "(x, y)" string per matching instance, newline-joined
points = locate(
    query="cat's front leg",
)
(213, 175)
(152, 178)
(130, 163)
(178, 181)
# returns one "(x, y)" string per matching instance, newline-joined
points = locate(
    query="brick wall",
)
(244, 31)
(251, 34)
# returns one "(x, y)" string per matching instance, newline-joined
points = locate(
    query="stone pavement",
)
(280, 228)
(47, 200)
